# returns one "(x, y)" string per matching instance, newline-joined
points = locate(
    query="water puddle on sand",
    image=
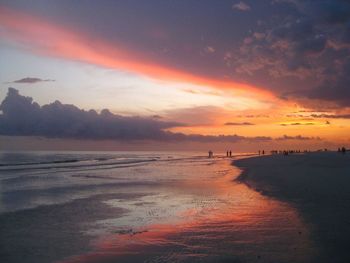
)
(200, 214)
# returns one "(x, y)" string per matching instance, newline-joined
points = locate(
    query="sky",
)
(175, 74)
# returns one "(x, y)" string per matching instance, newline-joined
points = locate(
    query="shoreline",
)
(317, 184)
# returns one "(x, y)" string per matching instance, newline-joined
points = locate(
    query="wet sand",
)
(205, 217)
(318, 185)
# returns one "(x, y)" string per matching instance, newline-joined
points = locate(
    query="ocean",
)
(140, 207)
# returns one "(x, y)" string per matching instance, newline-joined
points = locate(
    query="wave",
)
(70, 160)
(83, 164)
(40, 163)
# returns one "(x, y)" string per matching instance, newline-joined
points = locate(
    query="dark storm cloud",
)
(239, 123)
(31, 80)
(22, 116)
(295, 48)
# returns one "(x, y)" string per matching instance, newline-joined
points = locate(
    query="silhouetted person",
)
(210, 154)
(343, 150)
(230, 154)
(227, 154)
(263, 152)
(259, 152)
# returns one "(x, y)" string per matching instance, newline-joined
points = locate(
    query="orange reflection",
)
(229, 219)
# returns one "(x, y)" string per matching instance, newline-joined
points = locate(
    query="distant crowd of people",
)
(342, 150)
(211, 154)
(284, 152)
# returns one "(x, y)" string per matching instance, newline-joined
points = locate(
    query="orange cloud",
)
(45, 38)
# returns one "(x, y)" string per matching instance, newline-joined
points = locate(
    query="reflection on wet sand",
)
(204, 217)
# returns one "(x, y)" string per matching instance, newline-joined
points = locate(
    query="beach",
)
(317, 185)
(175, 131)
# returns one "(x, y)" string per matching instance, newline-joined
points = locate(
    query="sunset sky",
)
(264, 72)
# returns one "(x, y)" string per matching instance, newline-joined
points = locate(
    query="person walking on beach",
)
(210, 154)
(230, 153)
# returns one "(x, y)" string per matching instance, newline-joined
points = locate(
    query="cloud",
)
(301, 53)
(21, 116)
(241, 6)
(31, 80)
(218, 138)
(239, 123)
(297, 124)
(157, 116)
(298, 137)
(298, 50)
(202, 92)
(253, 116)
(331, 116)
(195, 116)
(209, 49)
(141, 56)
